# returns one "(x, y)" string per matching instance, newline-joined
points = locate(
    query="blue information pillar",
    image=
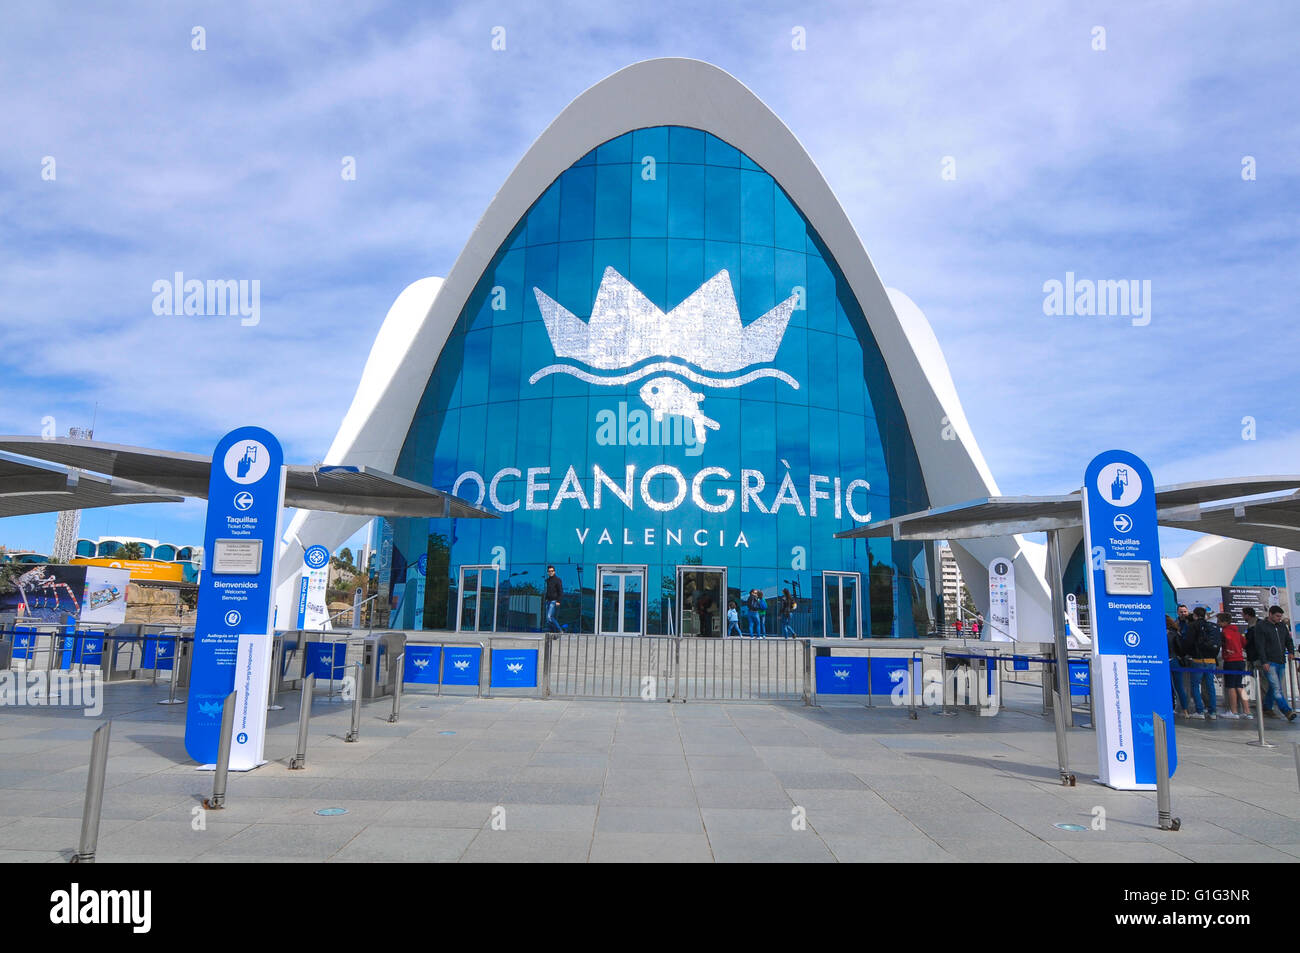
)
(236, 601)
(1130, 655)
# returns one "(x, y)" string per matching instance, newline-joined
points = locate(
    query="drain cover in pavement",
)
(1070, 827)
(331, 811)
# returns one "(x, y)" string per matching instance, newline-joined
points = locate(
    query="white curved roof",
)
(664, 92)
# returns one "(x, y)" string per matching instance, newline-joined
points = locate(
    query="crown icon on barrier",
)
(701, 340)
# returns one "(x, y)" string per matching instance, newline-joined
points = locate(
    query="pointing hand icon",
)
(246, 461)
(1118, 484)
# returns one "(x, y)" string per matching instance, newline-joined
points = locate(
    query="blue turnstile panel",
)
(24, 643)
(90, 648)
(158, 654)
(421, 666)
(325, 660)
(1080, 677)
(842, 675)
(514, 668)
(462, 665)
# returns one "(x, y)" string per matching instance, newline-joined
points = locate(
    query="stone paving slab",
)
(523, 779)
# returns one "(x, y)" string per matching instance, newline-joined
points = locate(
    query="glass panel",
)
(469, 600)
(834, 626)
(487, 600)
(609, 591)
(632, 596)
(848, 603)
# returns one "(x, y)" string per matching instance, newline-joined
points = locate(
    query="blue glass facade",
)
(751, 467)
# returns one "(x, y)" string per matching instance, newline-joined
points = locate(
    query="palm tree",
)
(129, 551)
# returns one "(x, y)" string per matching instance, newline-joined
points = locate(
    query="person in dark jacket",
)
(1268, 643)
(554, 593)
(1176, 661)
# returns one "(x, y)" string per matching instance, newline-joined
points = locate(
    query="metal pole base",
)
(214, 803)
(1261, 744)
(1067, 779)
(1170, 824)
(351, 736)
(83, 859)
(275, 708)
(172, 701)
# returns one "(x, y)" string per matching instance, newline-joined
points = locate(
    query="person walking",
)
(1177, 662)
(788, 605)
(733, 621)
(1234, 661)
(1184, 649)
(1267, 645)
(554, 593)
(751, 612)
(1203, 657)
(958, 628)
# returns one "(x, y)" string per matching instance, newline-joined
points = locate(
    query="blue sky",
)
(1122, 163)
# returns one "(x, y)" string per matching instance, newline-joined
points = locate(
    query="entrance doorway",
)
(702, 600)
(476, 599)
(621, 608)
(841, 605)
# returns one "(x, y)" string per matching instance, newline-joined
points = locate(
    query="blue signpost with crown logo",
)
(1130, 655)
(233, 627)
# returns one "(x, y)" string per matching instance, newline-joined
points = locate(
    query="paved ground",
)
(635, 781)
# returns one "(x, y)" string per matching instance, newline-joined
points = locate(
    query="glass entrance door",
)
(841, 605)
(621, 609)
(702, 600)
(476, 599)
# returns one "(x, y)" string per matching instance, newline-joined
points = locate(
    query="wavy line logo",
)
(700, 341)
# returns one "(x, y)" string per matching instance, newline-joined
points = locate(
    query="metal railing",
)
(677, 668)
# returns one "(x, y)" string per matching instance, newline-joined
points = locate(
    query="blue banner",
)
(462, 665)
(24, 644)
(325, 660)
(1129, 645)
(514, 668)
(158, 653)
(90, 648)
(1080, 678)
(245, 490)
(844, 674)
(421, 666)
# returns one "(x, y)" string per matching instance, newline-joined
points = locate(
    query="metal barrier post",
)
(911, 687)
(870, 683)
(1296, 745)
(546, 665)
(354, 733)
(218, 799)
(299, 760)
(1167, 822)
(94, 803)
(171, 698)
(277, 649)
(1062, 749)
(1260, 682)
(809, 685)
(399, 679)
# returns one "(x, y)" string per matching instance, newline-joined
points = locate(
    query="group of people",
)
(976, 625)
(756, 615)
(1196, 645)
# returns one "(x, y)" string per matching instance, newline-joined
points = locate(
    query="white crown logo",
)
(420, 663)
(841, 673)
(515, 667)
(703, 332)
(462, 664)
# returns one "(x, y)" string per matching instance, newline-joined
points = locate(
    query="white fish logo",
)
(667, 395)
(702, 341)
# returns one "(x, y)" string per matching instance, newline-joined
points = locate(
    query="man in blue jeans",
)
(1267, 645)
(554, 593)
(1205, 639)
